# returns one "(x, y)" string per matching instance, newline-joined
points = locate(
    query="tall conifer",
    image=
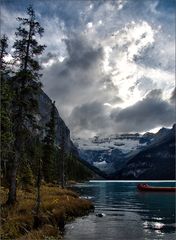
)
(26, 85)
(49, 147)
(5, 113)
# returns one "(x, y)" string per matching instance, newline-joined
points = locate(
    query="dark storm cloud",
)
(155, 94)
(149, 113)
(78, 79)
(46, 58)
(73, 73)
(90, 116)
(81, 53)
(81, 76)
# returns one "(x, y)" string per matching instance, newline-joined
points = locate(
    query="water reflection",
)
(161, 206)
(129, 214)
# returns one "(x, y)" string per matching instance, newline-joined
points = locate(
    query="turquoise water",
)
(128, 214)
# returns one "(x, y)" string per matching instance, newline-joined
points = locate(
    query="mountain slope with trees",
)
(36, 142)
(37, 154)
(156, 162)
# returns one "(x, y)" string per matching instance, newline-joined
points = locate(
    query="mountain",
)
(77, 168)
(155, 162)
(127, 156)
(111, 153)
(45, 105)
(96, 172)
(118, 156)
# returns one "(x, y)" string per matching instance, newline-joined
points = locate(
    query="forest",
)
(30, 157)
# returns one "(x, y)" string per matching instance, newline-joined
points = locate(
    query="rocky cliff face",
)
(155, 162)
(45, 105)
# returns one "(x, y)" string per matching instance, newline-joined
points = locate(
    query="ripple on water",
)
(128, 214)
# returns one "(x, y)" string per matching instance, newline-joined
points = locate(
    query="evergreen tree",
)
(6, 127)
(5, 113)
(26, 85)
(3, 53)
(76, 170)
(49, 147)
(62, 158)
(25, 174)
(38, 156)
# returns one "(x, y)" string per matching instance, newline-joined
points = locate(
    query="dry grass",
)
(46, 232)
(58, 206)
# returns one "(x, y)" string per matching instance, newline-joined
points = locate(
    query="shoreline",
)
(58, 207)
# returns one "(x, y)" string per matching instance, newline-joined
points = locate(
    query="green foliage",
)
(3, 53)
(51, 127)
(49, 148)
(21, 146)
(25, 175)
(6, 123)
(75, 170)
(26, 46)
(26, 86)
(7, 137)
(26, 80)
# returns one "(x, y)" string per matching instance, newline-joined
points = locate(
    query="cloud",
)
(105, 55)
(146, 114)
(173, 97)
(79, 78)
(48, 57)
(81, 53)
(10, 28)
(54, 33)
(91, 116)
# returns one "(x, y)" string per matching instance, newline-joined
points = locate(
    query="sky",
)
(109, 65)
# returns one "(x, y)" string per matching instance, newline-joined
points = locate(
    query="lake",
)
(128, 213)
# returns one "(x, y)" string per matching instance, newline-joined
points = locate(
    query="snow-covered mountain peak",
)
(111, 153)
(123, 142)
(108, 153)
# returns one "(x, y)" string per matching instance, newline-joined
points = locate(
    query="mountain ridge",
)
(111, 154)
(45, 105)
(155, 162)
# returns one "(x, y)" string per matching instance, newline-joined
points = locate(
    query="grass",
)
(58, 206)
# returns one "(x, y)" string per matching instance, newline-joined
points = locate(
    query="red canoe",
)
(147, 188)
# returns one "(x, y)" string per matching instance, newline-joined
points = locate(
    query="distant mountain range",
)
(131, 156)
(154, 162)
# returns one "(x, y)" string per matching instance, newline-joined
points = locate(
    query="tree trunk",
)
(18, 146)
(27, 49)
(62, 160)
(38, 199)
(62, 172)
(12, 183)
(37, 220)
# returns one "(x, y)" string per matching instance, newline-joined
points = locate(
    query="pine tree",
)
(26, 85)
(5, 113)
(25, 175)
(62, 158)
(6, 127)
(3, 53)
(75, 169)
(49, 147)
(38, 158)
